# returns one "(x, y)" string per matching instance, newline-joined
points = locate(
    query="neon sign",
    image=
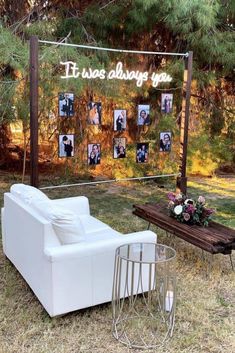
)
(73, 71)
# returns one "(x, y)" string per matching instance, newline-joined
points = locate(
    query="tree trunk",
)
(4, 141)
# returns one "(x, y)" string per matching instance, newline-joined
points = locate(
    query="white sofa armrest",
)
(84, 249)
(77, 204)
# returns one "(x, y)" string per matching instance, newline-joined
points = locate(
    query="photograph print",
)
(165, 141)
(142, 152)
(93, 153)
(119, 120)
(166, 102)
(119, 147)
(143, 115)
(66, 145)
(66, 104)
(94, 113)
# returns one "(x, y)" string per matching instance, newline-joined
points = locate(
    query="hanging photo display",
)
(66, 104)
(94, 113)
(119, 120)
(142, 152)
(119, 147)
(93, 153)
(165, 141)
(66, 145)
(143, 115)
(166, 102)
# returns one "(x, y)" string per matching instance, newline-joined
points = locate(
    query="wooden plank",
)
(214, 239)
(190, 230)
(183, 234)
(214, 231)
(198, 231)
(229, 232)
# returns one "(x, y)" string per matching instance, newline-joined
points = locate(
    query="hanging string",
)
(109, 181)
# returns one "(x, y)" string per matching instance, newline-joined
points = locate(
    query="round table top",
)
(146, 252)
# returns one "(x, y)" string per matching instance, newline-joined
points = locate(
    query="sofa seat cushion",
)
(91, 224)
(66, 224)
(27, 193)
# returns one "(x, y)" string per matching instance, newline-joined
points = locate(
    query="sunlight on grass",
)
(214, 189)
(205, 311)
(220, 195)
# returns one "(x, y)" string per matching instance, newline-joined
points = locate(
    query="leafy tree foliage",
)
(206, 27)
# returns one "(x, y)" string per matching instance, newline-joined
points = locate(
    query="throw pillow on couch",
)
(66, 224)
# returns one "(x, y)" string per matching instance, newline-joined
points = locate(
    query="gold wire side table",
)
(144, 294)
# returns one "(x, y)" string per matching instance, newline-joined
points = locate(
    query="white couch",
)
(63, 277)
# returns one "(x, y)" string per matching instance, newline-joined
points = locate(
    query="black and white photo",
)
(143, 114)
(166, 102)
(142, 152)
(119, 120)
(165, 141)
(119, 147)
(66, 145)
(66, 104)
(94, 153)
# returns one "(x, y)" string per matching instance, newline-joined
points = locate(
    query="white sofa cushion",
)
(77, 204)
(66, 224)
(27, 193)
(92, 225)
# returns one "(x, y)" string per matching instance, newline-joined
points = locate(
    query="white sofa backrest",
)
(27, 193)
(32, 225)
(79, 204)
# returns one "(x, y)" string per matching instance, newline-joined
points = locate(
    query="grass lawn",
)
(205, 311)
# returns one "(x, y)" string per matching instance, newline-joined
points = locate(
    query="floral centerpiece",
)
(189, 211)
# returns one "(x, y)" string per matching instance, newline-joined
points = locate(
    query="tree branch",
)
(106, 5)
(210, 101)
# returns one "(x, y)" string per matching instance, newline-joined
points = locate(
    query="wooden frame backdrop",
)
(184, 123)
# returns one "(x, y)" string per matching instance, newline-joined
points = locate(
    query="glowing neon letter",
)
(72, 70)
(70, 65)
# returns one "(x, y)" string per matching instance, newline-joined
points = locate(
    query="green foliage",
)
(7, 108)
(204, 26)
(13, 52)
(43, 29)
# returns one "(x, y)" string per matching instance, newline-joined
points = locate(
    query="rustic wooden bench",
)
(215, 239)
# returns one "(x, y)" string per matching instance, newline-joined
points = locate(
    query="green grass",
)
(220, 194)
(205, 313)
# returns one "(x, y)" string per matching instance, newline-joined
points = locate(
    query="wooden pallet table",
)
(215, 239)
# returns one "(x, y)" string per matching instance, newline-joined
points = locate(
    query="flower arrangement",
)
(189, 211)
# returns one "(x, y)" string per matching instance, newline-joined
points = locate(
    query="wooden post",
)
(182, 180)
(34, 111)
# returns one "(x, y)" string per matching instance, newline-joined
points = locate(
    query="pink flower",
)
(202, 200)
(171, 196)
(186, 216)
(191, 209)
(179, 197)
(209, 211)
(170, 204)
